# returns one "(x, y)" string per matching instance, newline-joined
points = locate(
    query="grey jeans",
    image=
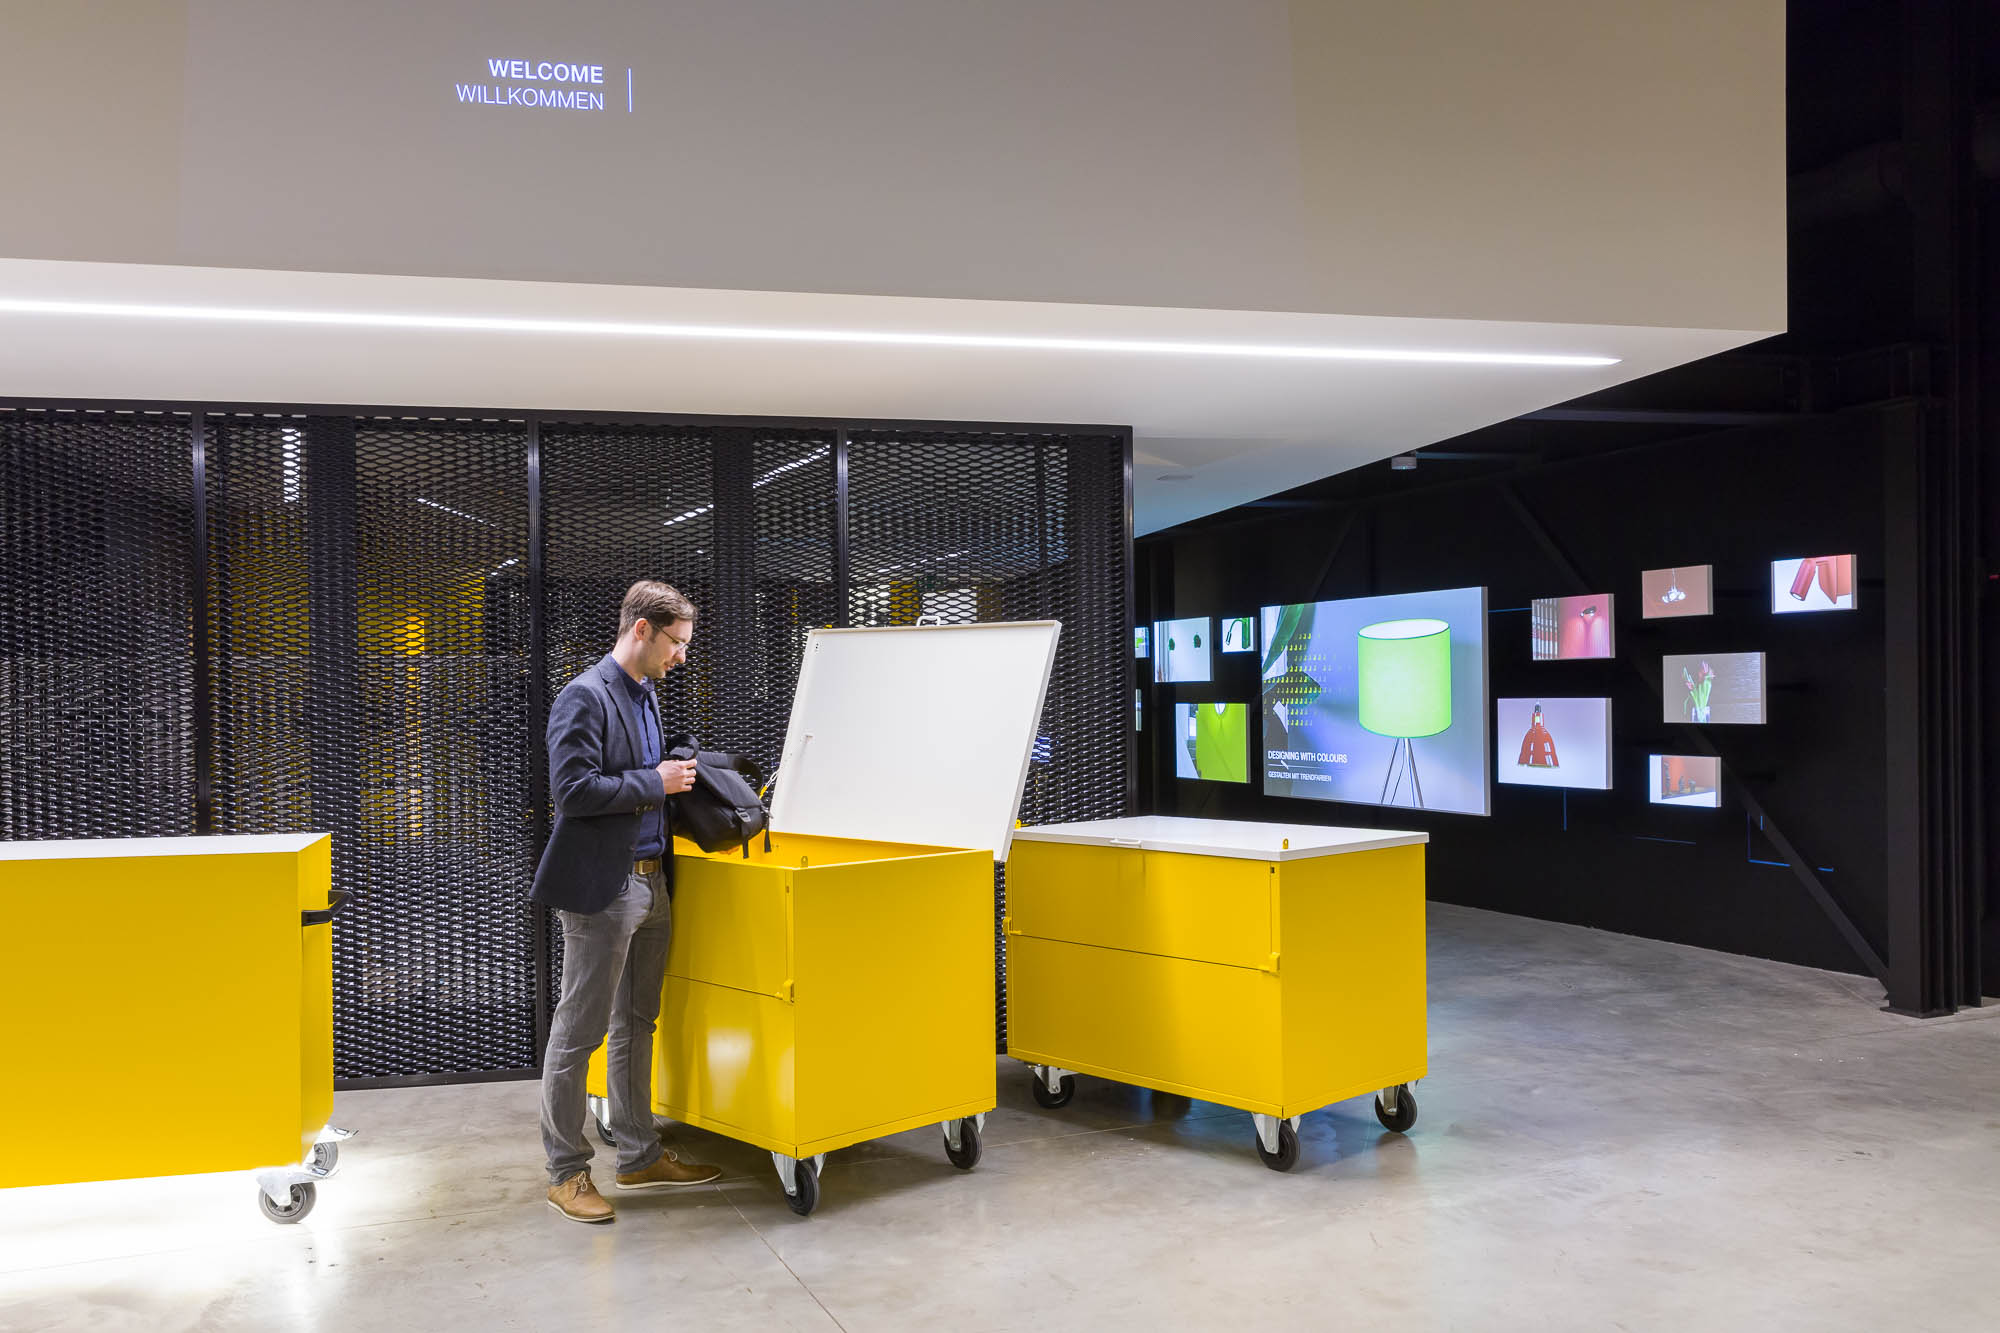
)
(614, 963)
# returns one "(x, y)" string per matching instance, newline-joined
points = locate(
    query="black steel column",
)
(1934, 789)
(204, 711)
(538, 717)
(843, 613)
(1133, 747)
(335, 719)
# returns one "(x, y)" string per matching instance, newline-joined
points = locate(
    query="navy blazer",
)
(599, 788)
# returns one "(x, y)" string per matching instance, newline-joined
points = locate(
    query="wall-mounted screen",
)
(1685, 779)
(1378, 701)
(1239, 634)
(1815, 583)
(1683, 590)
(1553, 742)
(1138, 710)
(1212, 742)
(1141, 642)
(1713, 687)
(1181, 650)
(1562, 628)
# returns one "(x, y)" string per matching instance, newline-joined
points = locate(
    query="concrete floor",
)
(1617, 1133)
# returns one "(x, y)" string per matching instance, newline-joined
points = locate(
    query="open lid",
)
(915, 734)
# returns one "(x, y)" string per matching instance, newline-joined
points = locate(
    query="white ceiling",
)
(1242, 426)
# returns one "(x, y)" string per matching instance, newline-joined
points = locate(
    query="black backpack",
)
(722, 809)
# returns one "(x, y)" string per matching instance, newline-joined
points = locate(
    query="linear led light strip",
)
(740, 333)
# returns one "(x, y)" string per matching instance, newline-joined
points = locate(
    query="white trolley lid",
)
(239, 844)
(915, 734)
(1224, 837)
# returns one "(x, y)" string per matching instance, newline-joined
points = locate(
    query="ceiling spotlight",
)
(1403, 463)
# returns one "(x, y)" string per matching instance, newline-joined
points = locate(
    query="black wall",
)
(1608, 859)
(1872, 426)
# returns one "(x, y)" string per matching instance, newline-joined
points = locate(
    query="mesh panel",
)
(96, 626)
(368, 616)
(787, 588)
(369, 622)
(259, 682)
(622, 503)
(980, 527)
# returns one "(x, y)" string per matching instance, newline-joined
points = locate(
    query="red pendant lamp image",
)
(1538, 747)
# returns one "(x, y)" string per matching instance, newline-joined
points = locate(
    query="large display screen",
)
(1181, 650)
(1553, 743)
(1239, 634)
(1562, 628)
(1713, 687)
(1683, 590)
(1378, 701)
(1815, 583)
(1141, 644)
(1212, 742)
(1685, 779)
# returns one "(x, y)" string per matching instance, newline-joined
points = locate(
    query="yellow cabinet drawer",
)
(1206, 1031)
(732, 925)
(1212, 909)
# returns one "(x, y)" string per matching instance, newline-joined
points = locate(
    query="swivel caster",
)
(1277, 1141)
(961, 1141)
(1396, 1108)
(1053, 1087)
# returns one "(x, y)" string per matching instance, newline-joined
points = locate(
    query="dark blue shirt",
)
(646, 721)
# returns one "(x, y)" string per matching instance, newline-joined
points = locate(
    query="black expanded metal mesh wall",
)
(369, 664)
(739, 520)
(97, 680)
(364, 638)
(979, 526)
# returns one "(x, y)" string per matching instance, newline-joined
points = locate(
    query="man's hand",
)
(676, 775)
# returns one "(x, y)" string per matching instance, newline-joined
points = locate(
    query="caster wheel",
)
(604, 1132)
(1065, 1089)
(325, 1158)
(966, 1155)
(298, 1203)
(805, 1179)
(1287, 1155)
(1405, 1113)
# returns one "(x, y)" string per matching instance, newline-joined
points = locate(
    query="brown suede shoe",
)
(668, 1171)
(578, 1200)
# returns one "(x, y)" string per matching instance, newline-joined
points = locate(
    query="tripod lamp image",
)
(1404, 675)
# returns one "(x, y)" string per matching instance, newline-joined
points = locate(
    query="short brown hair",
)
(655, 603)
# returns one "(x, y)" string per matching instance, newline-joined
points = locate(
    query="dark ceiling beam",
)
(1655, 416)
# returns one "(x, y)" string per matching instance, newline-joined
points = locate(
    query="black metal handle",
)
(336, 900)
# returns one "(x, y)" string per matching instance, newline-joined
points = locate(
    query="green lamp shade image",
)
(1403, 670)
(1405, 677)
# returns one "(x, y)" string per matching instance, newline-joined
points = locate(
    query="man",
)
(608, 871)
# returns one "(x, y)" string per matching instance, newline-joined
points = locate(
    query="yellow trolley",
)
(861, 942)
(221, 951)
(1275, 968)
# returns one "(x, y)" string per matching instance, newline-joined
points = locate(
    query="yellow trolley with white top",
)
(1275, 968)
(202, 978)
(839, 987)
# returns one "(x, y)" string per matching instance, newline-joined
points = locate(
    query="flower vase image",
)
(1699, 685)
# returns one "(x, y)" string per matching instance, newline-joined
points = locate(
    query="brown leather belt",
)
(646, 867)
